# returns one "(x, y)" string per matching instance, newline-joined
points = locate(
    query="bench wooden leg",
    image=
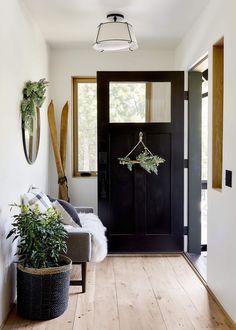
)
(81, 282)
(84, 273)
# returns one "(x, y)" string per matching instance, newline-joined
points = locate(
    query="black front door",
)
(142, 212)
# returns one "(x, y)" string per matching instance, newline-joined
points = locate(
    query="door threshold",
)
(200, 273)
(164, 254)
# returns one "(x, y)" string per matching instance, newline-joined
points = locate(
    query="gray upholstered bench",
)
(79, 244)
(79, 249)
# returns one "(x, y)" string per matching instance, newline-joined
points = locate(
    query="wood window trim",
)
(218, 114)
(148, 101)
(75, 81)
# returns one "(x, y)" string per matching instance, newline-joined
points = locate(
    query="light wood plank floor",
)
(134, 293)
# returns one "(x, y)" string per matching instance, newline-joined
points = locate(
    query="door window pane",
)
(127, 102)
(160, 102)
(142, 102)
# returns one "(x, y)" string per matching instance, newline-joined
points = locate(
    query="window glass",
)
(204, 137)
(86, 105)
(160, 102)
(140, 102)
(127, 102)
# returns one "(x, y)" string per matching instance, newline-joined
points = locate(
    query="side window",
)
(84, 126)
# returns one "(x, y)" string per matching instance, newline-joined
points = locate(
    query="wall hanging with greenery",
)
(145, 159)
(33, 97)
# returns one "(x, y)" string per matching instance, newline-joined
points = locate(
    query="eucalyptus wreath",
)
(33, 96)
(145, 159)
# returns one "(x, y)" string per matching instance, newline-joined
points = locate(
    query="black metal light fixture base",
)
(115, 17)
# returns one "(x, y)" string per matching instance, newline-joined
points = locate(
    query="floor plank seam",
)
(94, 281)
(117, 304)
(75, 310)
(156, 298)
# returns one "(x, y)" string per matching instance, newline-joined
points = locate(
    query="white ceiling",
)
(157, 23)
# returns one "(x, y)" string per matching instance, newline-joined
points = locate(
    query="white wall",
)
(67, 63)
(23, 56)
(218, 20)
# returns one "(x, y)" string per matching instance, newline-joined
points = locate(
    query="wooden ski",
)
(63, 137)
(62, 181)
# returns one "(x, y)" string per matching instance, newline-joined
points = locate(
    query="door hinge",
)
(185, 230)
(186, 163)
(186, 95)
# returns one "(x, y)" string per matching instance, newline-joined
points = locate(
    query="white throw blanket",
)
(92, 224)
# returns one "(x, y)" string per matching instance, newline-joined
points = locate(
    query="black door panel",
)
(142, 212)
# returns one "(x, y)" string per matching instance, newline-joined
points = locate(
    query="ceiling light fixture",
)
(115, 35)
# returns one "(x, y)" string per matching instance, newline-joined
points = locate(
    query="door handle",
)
(103, 181)
(102, 174)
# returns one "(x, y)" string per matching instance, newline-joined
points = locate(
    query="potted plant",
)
(43, 274)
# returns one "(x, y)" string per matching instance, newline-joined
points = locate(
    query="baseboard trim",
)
(12, 306)
(231, 321)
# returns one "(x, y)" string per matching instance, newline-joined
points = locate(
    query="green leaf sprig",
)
(145, 159)
(33, 96)
(41, 236)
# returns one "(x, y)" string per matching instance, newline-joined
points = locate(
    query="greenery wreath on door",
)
(145, 159)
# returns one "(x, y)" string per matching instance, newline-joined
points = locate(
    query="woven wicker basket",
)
(43, 294)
